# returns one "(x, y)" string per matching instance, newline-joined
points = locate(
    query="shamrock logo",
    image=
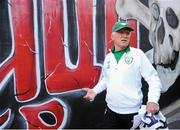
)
(128, 60)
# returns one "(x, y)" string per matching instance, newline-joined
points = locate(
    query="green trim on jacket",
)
(119, 54)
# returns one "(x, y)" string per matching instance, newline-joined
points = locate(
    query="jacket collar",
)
(127, 49)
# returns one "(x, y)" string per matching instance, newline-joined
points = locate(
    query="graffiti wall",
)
(51, 49)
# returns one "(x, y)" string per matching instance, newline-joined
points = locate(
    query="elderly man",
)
(122, 72)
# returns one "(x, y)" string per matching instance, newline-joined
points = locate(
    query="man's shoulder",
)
(108, 55)
(136, 50)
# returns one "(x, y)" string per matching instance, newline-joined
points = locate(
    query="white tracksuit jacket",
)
(123, 81)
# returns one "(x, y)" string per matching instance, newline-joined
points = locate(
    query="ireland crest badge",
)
(128, 59)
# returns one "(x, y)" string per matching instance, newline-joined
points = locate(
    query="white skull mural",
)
(161, 18)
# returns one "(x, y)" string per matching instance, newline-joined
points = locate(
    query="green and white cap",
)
(121, 25)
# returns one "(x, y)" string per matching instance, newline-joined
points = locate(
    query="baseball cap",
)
(121, 25)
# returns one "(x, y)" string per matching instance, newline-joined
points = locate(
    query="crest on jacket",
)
(128, 59)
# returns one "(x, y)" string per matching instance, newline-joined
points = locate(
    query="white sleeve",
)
(101, 85)
(151, 77)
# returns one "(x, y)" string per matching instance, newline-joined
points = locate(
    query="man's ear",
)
(112, 36)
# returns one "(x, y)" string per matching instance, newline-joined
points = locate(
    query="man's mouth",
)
(123, 40)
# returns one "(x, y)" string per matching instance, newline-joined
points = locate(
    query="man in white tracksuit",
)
(122, 72)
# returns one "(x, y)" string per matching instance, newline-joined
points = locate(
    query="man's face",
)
(121, 39)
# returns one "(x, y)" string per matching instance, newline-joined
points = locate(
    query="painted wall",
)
(50, 49)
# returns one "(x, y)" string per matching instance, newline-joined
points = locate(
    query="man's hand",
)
(90, 95)
(152, 107)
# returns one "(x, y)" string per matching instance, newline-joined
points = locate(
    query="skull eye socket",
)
(171, 18)
(155, 11)
(161, 31)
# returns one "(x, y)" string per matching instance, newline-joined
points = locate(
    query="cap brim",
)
(126, 28)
